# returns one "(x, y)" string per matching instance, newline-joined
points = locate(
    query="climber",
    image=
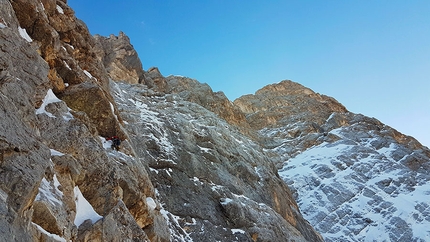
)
(116, 142)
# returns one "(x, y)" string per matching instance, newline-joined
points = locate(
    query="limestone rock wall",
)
(199, 93)
(183, 167)
(193, 166)
(355, 178)
(69, 50)
(23, 73)
(120, 59)
(208, 175)
(54, 150)
(276, 104)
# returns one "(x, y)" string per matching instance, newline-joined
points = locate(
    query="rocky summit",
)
(354, 178)
(283, 164)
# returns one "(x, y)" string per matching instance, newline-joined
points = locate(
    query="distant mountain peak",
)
(286, 102)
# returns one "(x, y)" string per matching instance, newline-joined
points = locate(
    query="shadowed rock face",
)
(208, 175)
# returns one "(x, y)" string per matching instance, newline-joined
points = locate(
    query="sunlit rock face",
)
(284, 103)
(183, 173)
(193, 166)
(355, 179)
(60, 180)
(120, 59)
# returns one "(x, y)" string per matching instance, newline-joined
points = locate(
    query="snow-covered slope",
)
(357, 183)
(213, 182)
(354, 178)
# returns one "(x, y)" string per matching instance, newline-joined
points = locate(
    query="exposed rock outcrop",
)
(23, 73)
(193, 166)
(208, 175)
(355, 178)
(51, 152)
(196, 92)
(65, 44)
(61, 180)
(277, 104)
(120, 59)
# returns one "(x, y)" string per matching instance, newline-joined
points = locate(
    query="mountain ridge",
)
(193, 165)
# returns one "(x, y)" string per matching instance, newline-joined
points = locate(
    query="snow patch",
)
(226, 200)
(237, 141)
(57, 183)
(257, 170)
(173, 222)
(204, 149)
(48, 191)
(112, 108)
(153, 170)
(2, 26)
(168, 171)
(56, 153)
(65, 63)
(194, 222)
(49, 98)
(151, 203)
(215, 187)
(196, 180)
(234, 231)
(24, 34)
(53, 236)
(84, 210)
(68, 116)
(88, 74)
(107, 144)
(60, 9)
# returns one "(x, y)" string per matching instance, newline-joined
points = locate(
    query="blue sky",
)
(372, 56)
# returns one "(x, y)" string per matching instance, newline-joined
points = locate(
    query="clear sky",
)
(372, 56)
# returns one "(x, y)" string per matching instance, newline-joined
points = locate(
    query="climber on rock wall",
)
(116, 142)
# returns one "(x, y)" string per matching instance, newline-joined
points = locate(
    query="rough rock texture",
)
(60, 178)
(215, 184)
(196, 92)
(365, 182)
(23, 73)
(120, 59)
(202, 94)
(50, 151)
(355, 179)
(193, 166)
(65, 44)
(284, 103)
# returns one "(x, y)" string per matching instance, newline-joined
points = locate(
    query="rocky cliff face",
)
(193, 166)
(120, 59)
(58, 182)
(183, 173)
(355, 179)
